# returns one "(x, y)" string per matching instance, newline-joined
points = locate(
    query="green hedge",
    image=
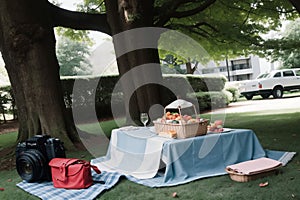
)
(197, 82)
(206, 83)
(210, 100)
(87, 87)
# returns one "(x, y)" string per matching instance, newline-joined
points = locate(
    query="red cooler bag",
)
(71, 173)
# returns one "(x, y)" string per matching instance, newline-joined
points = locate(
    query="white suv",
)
(273, 83)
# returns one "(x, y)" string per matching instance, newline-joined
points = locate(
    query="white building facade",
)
(244, 68)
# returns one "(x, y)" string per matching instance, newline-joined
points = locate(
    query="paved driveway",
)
(283, 105)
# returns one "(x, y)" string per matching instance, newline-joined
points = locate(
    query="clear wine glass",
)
(144, 118)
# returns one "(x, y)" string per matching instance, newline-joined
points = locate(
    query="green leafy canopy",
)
(286, 48)
(225, 28)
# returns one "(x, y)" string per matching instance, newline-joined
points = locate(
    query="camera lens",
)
(31, 165)
(26, 167)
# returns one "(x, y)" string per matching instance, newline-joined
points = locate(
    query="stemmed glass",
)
(144, 118)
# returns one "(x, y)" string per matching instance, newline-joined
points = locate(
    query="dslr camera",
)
(33, 157)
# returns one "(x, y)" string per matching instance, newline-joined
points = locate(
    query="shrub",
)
(233, 88)
(206, 83)
(210, 100)
(229, 96)
(92, 92)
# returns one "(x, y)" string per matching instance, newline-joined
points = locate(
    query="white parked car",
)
(273, 83)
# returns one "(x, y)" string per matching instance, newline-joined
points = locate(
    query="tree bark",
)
(141, 14)
(296, 4)
(78, 20)
(27, 44)
(189, 68)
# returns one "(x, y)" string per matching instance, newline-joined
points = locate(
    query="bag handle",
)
(83, 162)
(73, 161)
(96, 169)
(63, 168)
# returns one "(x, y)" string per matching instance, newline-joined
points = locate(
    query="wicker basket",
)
(246, 178)
(183, 130)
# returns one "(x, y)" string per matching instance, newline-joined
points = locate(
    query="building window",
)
(222, 69)
(240, 64)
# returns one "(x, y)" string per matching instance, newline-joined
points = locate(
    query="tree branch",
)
(205, 24)
(296, 4)
(194, 11)
(198, 31)
(78, 20)
(248, 15)
(195, 28)
(166, 11)
(163, 13)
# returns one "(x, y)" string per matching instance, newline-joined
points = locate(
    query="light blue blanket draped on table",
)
(194, 158)
(224, 149)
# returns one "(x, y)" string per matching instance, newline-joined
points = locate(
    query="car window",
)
(278, 74)
(288, 73)
(297, 72)
(262, 76)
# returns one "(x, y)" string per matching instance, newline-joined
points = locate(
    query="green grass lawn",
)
(275, 131)
(7, 140)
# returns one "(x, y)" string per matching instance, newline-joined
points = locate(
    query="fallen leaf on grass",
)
(174, 195)
(1, 189)
(264, 184)
(9, 180)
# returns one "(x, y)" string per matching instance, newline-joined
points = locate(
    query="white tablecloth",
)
(134, 151)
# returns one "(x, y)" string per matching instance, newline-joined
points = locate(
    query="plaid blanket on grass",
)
(46, 190)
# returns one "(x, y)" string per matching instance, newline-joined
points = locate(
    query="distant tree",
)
(72, 57)
(288, 51)
(171, 64)
(175, 63)
(3, 101)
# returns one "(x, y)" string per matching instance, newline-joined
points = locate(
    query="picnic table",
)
(140, 153)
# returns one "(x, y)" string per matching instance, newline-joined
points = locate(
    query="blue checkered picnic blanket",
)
(46, 190)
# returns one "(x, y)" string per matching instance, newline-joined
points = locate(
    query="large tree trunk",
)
(28, 48)
(123, 15)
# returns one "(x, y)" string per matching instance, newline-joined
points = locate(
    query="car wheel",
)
(277, 92)
(265, 96)
(249, 96)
